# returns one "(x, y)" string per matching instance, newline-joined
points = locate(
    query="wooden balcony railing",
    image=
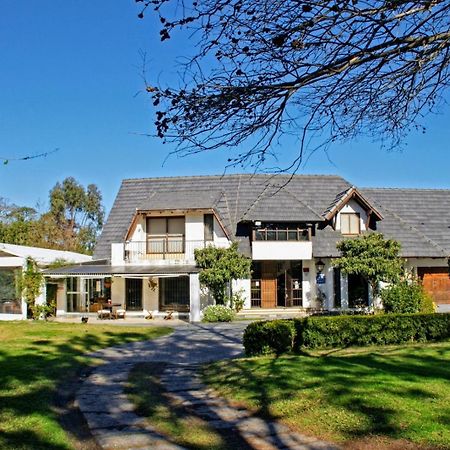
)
(164, 247)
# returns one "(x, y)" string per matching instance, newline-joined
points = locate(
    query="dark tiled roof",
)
(424, 212)
(240, 195)
(419, 219)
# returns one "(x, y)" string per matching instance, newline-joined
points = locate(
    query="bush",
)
(406, 297)
(236, 300)
(282, 336)
(316, 332)
(218, 313)
(273, 336)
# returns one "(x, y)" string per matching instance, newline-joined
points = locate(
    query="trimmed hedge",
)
(272, 336)
(281, 336)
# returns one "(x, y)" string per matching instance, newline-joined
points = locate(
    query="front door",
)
(269, 284)
(133, 294)
(358, 291)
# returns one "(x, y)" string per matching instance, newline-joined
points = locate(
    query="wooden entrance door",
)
(436, 282)
(269, 284)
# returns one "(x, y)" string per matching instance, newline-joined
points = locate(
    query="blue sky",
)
(69, 74)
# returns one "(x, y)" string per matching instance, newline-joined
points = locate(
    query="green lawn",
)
(378, 397)
(34, 358)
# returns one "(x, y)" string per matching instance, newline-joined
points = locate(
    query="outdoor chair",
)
(104, 314)
(120, 313)
(148, 315)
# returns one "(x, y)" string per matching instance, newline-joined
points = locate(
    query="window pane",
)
(174, 293)
(10, 302)
(156, 225)
(345, 224)
(282, 235)
(208, 220)
(175, 225)
(292, 235)
(354, 223)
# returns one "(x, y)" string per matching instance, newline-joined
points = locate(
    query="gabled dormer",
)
(351, 213)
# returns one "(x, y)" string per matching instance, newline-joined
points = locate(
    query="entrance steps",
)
(276, 313)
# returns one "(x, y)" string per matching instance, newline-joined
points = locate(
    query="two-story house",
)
(288, 226)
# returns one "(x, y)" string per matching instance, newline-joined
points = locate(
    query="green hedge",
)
(280, 336)
(273, 336)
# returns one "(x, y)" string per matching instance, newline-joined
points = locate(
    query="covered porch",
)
(142, 291)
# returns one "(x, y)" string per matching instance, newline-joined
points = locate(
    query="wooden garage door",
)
(436, 281)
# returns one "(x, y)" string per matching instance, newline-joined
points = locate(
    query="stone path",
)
(110, 415)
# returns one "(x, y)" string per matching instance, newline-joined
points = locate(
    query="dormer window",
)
(350, 223)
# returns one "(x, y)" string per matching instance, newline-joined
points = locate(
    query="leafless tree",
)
(323, 70)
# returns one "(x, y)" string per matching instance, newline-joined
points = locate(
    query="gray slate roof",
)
(239, 196)
(418, 218)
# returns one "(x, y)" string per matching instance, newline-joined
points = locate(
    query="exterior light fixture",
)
(320, 265)
(258, 223)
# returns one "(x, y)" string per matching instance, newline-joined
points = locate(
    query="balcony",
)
(281, 242)
(164, 248)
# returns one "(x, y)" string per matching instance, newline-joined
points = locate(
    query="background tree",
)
(17, 223)
(323, 71)
(219, 266)
(77, 212)
(373, 257)
(73, 222)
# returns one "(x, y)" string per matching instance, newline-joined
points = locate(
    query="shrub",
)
(236, 300)
(343, 331)
(218, 313)
(406, 297)
(281, 336)
(273, 336)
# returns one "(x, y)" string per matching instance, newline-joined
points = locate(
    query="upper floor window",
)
(208, 221)
(281, 233)
(350, 223)
(165, 235)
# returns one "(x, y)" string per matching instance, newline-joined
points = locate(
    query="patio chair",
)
(148, 315)
(104, 314)
(120, 313)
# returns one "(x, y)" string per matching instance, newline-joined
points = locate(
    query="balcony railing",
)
(164, 248)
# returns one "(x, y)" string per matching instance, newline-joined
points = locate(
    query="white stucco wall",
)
(245, 287)
(118, 290)
(150, 294)
(281, 250)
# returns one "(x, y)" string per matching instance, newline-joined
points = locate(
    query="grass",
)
(34, 358)
(378, 397)
(171, 419)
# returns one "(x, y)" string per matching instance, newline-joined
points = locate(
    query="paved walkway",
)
(110, 415)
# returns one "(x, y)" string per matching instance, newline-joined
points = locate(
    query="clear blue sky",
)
(69, 72)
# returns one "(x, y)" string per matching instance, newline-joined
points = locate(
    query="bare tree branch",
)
(322, 70)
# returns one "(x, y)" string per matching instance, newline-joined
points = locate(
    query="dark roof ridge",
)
(404, 189)
(231, 175)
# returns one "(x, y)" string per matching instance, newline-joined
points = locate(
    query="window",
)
(10, 298)
(208, 221)
(350, 223)
(165, 235)
(281, 232)
(174, 293)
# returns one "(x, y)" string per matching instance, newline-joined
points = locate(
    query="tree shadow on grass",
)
(353, 384)
(37, 386)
